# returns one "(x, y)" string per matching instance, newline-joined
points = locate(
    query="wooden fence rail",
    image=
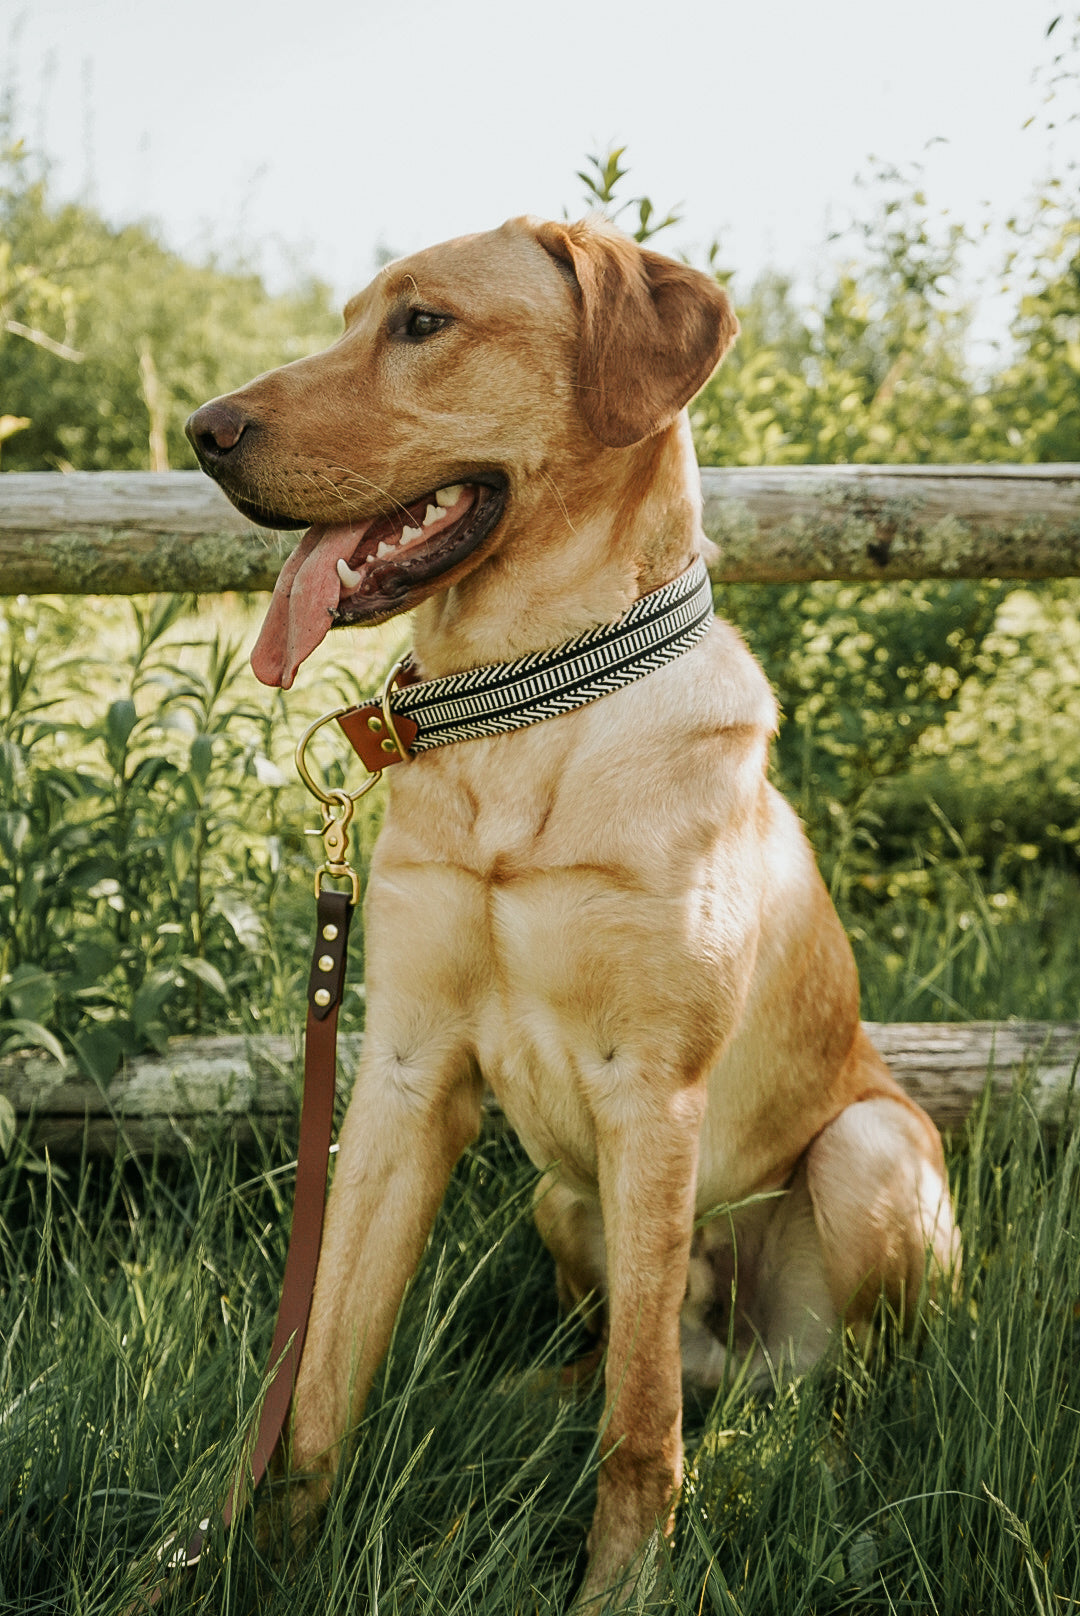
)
(120, 533)
(125, 533)
(230, 1086)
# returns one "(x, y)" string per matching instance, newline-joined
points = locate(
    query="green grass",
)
(946, 943)
(136, 1306)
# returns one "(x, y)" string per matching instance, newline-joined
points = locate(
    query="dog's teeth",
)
(384, 550)
(432, 514)
(449, 496)
(408, 534)
(348, 577)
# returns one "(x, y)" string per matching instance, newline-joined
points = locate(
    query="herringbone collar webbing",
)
(503, 696)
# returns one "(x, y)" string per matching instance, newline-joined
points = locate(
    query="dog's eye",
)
(421, 323)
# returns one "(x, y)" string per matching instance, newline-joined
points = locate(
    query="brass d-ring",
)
(302, 769)
(388, 717)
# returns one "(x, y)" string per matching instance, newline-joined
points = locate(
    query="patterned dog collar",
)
(415, 716)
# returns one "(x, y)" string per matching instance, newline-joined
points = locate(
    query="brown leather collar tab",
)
(365, 729)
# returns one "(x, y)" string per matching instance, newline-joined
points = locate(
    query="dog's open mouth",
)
(371, 569)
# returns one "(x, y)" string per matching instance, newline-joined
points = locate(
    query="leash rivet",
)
(322, 997)
(329, 933)
(375, 724)
(388, 745)
(326, 962)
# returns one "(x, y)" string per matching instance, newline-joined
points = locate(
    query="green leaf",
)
(95, 957)
(204, 971)
(149, 770)
(22, 1034)
(7, 1124)
(119, 723)
(30, 992)
(242, 917)
(14, 828)
(149, 998)
(99, 1052)
(202, 749)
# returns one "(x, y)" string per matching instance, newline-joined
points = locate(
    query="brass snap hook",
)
(337, 812)
(336, 806)
(388, 717)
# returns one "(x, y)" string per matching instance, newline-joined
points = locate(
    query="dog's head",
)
(410, 447)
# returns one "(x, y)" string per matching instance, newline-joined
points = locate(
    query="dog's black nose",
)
(214, 431)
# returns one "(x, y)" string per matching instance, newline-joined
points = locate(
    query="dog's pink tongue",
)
(305, 595)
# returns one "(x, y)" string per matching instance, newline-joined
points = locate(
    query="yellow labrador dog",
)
(609, 916)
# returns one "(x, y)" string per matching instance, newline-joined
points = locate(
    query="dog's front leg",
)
(402, 1134)
(647, 1139)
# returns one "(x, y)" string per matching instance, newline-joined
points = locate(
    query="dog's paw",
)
(640, 1584)
(288, 1514)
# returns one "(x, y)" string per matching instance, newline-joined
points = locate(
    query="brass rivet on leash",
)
(322, 996)
(326, 962)
(329, 933)
(375, 725)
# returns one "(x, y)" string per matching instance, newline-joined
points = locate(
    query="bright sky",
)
(315, 133)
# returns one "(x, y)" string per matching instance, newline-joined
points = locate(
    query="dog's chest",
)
(540, 907)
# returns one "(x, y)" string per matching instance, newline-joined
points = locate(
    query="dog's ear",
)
(652, 330)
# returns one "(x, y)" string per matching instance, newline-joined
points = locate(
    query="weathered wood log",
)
(233, 1087)
(123, 533)
(945, 1066)
(203, 1088)
(779, 524)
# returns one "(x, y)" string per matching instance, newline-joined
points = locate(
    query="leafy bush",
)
(153, 871)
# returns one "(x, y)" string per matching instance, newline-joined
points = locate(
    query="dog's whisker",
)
(558, 499)
(356, 481)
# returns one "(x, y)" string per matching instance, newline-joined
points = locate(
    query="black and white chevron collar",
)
(502, 696)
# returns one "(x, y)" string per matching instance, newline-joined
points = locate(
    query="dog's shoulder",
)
(726, 682)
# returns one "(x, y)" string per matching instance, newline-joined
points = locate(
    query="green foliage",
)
(601, 179)
(124, 334)
(864, 673)
(931, 743)
(1038, 395)
(876, 373)
(940, 1477)
(153, 875)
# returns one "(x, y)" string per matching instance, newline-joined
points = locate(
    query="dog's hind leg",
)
(572, 1228)
(876, 1179)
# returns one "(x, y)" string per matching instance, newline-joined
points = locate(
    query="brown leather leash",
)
(326, 985)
